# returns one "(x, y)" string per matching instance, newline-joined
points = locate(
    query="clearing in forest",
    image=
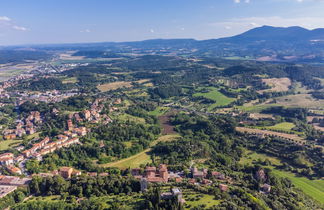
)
(141, 158)
(113, 86)
(214, 94)
(277, 84)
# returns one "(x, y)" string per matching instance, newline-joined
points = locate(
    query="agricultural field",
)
(293, 137)
(214, 94)
(284, 127)
(113, 86)
(300, 100)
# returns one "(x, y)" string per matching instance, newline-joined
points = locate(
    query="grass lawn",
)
(195, 199)
(125, 117)
(159, 111)
(141, 158)
(6, 144)
(214, 94)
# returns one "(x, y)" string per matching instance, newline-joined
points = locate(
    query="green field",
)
(313, 188)
(195, 199)
(159, 111)
(214, 94)
(6, 144)
(284, 127)
(126, 117)
(141, 158)
(256, 108)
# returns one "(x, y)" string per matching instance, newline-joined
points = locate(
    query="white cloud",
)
(86, 31)
(4, 18)
(19, 28)
(6, 23)
(240, 1)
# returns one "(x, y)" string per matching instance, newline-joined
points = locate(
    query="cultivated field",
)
(293, 137)
(113, 86)
(300, 100)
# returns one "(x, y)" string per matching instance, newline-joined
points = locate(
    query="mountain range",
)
(264, 43)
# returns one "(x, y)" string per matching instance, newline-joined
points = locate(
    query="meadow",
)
(214, 94)
(141, 158)
(6, 144)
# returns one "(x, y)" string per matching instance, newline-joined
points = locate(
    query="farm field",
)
(113, 86)
(214, 94)
(300, 100)
(6, 144)
(265, 132)
(284, 127)
(256, 108)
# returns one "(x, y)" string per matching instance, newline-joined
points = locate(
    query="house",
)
(223, 187)
(261, 175)
(136, 172)
(19, 158)
(66, 172)
(266, 188)
(14, 170)
(27, 153)
(7, 159)
(87, 114)
(76, 172)
(10, 136)
(152, 174)
(218, 175)
(70, 125)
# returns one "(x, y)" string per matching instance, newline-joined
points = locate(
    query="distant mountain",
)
(270, 43)
(264, 43)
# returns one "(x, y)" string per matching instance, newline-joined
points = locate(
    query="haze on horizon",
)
(39, 22)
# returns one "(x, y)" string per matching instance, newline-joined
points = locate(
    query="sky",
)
(77, 21)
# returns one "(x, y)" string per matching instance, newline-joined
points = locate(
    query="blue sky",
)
(73, 21)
